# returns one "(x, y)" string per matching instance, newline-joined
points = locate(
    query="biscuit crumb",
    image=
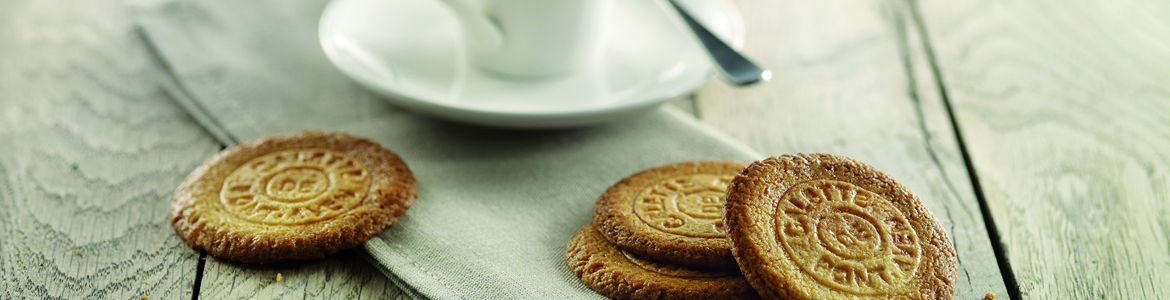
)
(278, 277)
(261, 283)
(188, 290)
(989, 296)
(145, 282)
(78, 252)
(143, 298)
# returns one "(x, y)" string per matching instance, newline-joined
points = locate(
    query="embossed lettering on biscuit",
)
(847, 238)
(293, 196)
(295, 187)
(688, 205)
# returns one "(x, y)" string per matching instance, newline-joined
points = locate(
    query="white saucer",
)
(413, 52)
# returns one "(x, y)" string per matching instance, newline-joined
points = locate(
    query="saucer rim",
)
(559, 119)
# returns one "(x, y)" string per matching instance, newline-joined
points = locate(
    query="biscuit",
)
(622, 275)
(292, 196)
(822, 226)
(671, 213)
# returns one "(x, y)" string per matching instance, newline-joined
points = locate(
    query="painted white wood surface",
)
(91, 148)
(90, 151)
(1065, 108)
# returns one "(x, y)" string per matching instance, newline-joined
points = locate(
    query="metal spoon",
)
(733, 66)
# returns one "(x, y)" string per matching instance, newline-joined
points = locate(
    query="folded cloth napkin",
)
(495, 209)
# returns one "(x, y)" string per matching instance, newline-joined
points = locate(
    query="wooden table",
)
(1037, 131)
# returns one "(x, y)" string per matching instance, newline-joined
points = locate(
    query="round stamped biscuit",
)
(619, 274)
(671, 213)
(822, 226)
(293, 196)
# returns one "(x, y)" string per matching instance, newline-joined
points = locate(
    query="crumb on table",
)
(989, 296)
(278, 277)
(78, 252)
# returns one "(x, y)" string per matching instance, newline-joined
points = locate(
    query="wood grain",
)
(345, 275)
(91, 147)
(90, 151)
(1066, 110)
(851, 77)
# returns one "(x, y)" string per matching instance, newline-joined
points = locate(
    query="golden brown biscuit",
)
(671, 213)
(292, 196)
(622, 275)
(821, 226)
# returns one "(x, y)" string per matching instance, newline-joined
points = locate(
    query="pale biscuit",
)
(671, 213)
(622, 275)
(292, 196)
(822, 226)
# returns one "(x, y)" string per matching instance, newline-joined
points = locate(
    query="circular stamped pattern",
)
(847, 238)
(689, 205)
(297, 186)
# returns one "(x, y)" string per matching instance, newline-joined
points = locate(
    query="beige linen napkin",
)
(496, 208)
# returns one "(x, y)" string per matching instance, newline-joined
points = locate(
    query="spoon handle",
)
(733, 66)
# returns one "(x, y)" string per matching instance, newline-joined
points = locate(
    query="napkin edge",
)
(711, 131)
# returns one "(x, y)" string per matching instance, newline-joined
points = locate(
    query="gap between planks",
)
(993, 234)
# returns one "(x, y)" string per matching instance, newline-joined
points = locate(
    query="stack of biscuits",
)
(804, 226)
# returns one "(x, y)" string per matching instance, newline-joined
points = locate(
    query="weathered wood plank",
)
(345, 275)
(851, 77)
(91, 148)
(1065, 106)
(90, 151)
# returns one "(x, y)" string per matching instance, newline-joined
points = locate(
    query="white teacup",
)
(532, 38)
